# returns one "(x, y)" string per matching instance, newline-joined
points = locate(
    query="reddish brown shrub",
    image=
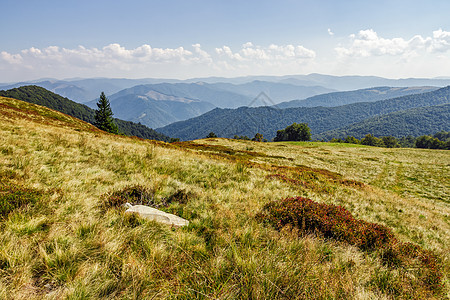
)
(335, 222)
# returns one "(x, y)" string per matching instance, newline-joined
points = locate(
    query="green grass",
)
(72, 246)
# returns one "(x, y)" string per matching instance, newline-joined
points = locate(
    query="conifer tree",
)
(103, 116)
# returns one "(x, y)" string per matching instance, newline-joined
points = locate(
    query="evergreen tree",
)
(103, 116)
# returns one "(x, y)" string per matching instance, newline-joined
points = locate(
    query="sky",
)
(202, 38)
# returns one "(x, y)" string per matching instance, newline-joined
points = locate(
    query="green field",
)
(60, 238)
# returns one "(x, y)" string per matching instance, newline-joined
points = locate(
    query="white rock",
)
(157, 215)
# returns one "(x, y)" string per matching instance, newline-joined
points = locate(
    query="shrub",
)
(211, 135)
(135, 194)
(335, 222)
(329, 220)
(258, 137)
(294, 132)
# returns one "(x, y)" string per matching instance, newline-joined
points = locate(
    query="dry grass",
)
(66, 245)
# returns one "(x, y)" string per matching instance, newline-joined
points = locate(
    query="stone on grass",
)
(156, 215)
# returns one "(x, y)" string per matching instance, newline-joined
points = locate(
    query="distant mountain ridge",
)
(276, 91)
(267, 120)
(84, 90)
(41, 96)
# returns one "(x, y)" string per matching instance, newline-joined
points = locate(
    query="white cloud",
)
(367, 43)
(11, 58)
(147, 61)
(440, 41)
(274, 53)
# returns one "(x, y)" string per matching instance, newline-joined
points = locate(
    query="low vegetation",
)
(337, 223)
(440, 140)
(70, 238)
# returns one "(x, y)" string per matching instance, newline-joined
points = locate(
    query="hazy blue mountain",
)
(363, 95)
(62, 88)
(340, 83)
(347, 83)
(84, 90)
(190, 91)
(156, 112)
(267, 120)
(276, 91)
(415, 121)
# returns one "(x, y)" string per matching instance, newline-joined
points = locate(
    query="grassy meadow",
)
(65, 240)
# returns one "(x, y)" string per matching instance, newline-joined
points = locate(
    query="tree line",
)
(302, 132)
(440, 140)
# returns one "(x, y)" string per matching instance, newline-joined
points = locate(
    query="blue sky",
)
(183, 39)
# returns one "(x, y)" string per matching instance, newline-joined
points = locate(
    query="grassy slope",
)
(41, 96)
(69, 247)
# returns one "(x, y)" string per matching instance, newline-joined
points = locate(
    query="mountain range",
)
(267, 120)
(87, 89)
(232, 106)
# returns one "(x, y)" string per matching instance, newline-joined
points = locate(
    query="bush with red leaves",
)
(335, 222)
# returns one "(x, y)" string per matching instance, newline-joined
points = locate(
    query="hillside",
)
(267, 120)
(363, 95)
(416, 122)
(68, 237)
(39, 95)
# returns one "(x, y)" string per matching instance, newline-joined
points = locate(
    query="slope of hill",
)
(364, 95)
(65, 235)
(267, 120)
(39, 95)
(416, 122)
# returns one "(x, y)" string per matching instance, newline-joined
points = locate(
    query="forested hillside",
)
(415, 122)
(348, 97)
(41, 96)
(267, 120)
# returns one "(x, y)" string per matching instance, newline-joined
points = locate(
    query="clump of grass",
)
(141, 195)
(134, 194)
(180, 196)
(13, 197)
(335, 222)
